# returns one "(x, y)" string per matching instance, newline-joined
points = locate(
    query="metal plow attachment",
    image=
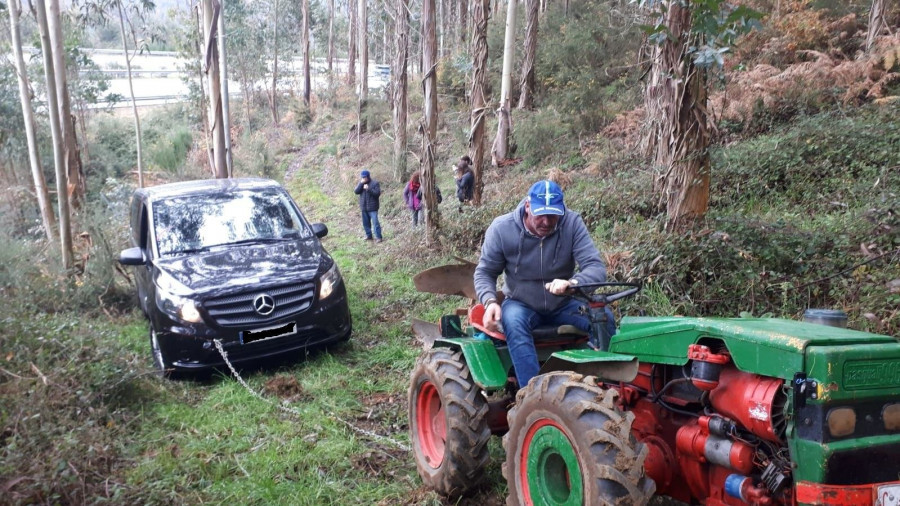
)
(448, 280)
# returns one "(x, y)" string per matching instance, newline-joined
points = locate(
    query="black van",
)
(232, 260)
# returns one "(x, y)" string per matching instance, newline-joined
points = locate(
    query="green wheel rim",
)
(549, 470)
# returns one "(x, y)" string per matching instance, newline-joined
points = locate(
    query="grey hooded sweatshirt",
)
(530, 262)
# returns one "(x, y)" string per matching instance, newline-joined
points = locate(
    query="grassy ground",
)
(83, 418)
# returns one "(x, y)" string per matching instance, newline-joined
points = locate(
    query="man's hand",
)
(559, 286)
(365, 187)
(491, 320)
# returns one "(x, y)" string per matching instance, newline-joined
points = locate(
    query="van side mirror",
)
(132, 256)
(320, 230)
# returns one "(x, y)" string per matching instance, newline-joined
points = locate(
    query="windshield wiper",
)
(258, 240)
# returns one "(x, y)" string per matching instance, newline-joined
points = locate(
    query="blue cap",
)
(546, 197)
(364, 173)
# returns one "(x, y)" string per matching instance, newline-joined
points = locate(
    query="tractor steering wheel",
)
(586, 292)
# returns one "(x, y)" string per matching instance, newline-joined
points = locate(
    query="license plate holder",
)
(887, 494)
(256, 335)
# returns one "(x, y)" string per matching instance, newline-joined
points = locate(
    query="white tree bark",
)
(501, 142)
(223, 82)
(211, 67)
(65, 229)
(362, 38)
(876, 22)
(429, 62)
(306, 79)
(72, 159)
(134, 109)
(37, 174)
(480, 12)
(399, 88)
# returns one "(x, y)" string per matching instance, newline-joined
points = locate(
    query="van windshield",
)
(197, 222)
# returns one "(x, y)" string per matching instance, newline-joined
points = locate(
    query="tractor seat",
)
(545, 335)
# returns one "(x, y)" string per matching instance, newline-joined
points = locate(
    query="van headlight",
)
(178, 307)
(328, 281)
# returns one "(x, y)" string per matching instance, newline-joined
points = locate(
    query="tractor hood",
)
(767, 346)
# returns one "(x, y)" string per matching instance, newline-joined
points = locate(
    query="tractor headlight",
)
(891, 416)
(841, 422)
(328, 281)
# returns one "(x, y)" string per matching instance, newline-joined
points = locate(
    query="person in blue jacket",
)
(537, 247)
(369, 192)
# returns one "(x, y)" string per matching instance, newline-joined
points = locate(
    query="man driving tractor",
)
(537, 246)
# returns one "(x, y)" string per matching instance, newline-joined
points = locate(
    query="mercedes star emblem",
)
(264, 304)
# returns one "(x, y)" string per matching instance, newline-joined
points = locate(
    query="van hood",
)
(233, 269)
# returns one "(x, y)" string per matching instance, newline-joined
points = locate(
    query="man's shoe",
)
(368, 238)
(378, 240)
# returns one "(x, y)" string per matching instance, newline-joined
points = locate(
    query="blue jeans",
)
(370, 219)
(518, 321)
(417, 217)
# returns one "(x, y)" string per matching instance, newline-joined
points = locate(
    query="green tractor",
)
(716, 411)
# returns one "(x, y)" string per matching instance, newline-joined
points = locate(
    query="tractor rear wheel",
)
(447, 423)
(569, 444)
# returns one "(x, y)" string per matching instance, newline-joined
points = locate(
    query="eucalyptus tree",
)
(363, 40)
(690, 37)
(351, 48)
(62, 198)
(526, 95)
(479, 106)
(72, 156)
(504, 121)
(399, 88)
(247, 49)
(273, 94)
(305, 44)
(429, 125)
(877, 22)
(133, 15)
(37, 173)
(330, 39)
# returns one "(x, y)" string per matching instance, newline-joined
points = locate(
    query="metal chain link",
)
(292, 411)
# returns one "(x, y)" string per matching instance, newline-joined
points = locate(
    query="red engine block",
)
(685, 459)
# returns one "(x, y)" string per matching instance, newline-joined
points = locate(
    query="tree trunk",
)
(75, 174)
(134, 109)
(204, 92)
(330, 38)
(876, 22)
(678, 133)
(37, 174)
(362, 37)
(479, 101)
(463, 23)
(273, 97)
(211, 65)
(526, 95)
(351, 51)
(225, 110)
(501, 142)
(401, 56)
(62, 197)
(306, 79)
(429, 130)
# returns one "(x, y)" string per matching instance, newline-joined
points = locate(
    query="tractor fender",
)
(613, 367)
(488, 368)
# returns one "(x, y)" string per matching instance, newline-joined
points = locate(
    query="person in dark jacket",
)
(369, 192)
(465, 179)
(537, 246)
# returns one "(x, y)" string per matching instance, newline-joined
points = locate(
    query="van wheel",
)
(160, 361)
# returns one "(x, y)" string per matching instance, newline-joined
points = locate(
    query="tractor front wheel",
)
(568, 444)
(448, 423)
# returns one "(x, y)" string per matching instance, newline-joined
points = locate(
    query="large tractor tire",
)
(568, 444)
(447, 423)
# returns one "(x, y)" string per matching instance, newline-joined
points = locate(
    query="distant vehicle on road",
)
(234, 261)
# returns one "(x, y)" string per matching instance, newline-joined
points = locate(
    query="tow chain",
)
(292, 411)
